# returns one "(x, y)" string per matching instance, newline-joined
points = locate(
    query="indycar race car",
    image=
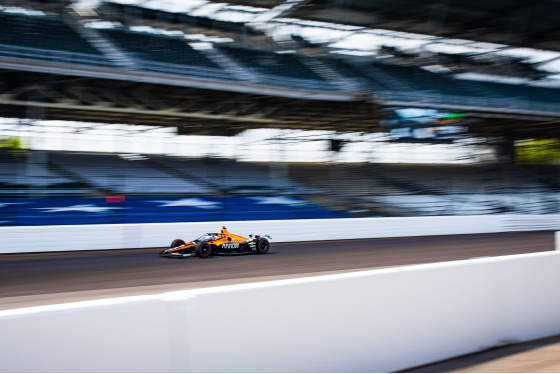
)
(218, 243)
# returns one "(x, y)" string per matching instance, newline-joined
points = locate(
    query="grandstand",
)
(204, 74)
(222, 189)
(159, 49)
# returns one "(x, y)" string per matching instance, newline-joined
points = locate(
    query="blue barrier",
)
(78, 211)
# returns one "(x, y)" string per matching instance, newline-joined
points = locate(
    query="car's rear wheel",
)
(203, 250)
(177, 242)
(263, 245)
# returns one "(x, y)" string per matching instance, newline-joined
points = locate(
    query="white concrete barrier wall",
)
(85, 237)
(372, 321)
(126, 335)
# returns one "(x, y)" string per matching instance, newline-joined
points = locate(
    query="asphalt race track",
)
(32, 274)
(49, 278)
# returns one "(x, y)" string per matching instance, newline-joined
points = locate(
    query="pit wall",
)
(371, 321)
(18, 239)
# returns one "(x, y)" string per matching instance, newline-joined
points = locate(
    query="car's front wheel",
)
(263, 245)
(203, 250)
(177, 242)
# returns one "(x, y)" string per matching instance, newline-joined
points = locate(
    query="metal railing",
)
(199, 71)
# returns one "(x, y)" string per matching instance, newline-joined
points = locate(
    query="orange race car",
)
(218, 243)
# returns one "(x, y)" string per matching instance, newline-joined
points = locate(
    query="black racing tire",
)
(263, 245)
(203, 250)
(177, 242)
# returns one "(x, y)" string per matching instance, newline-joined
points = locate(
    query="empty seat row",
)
(159, 49)
(41, 32)
(271, 63)
(112, 173)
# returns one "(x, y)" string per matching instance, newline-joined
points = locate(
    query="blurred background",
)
(129, 111)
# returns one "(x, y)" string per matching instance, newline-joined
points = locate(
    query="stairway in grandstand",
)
(329, 74)
(102, 44)
(228, 64)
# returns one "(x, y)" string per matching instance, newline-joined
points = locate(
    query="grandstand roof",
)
(525, 23)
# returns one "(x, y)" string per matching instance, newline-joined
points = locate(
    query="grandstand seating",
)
(466, 190)
(412, 190)
(44, 37)
(156, 175)
(165, 54)
(47, 37)
(20, 176)
(231, 177)
(263, 66)
(173, 55)
(172, 189)
(275, 68)
(159, 189)
(112, 173)
(522, 92)
(271, 63)
(288, 69)
(412, 79)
